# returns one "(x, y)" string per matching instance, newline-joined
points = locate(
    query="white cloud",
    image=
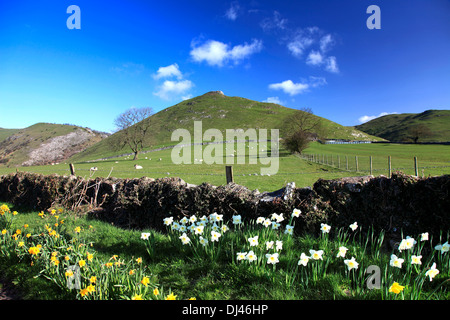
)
(290, 87)
(313, 38)
(169, 71)
(331, 65)
(274, 100)
(326, 42)
(366, 118)
(216, 53)
(170, 89)
(314, 58)
(232, 12)
(293, 89)
(273, 23)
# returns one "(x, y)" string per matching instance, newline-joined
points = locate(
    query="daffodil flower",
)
(241, 256)
(342, 252)
(416, 259)
(279, 245)
(267, 223)
(289, 230)
(396, 261)
(424, 236)
(432, 272)
(303, 259)
(396, 288)
(354, 226)
(443, 247)
(351, 263)
(325, 228)
(296, 213)
(253, 241)
(272, 258)
(184, 238)
(199, 229)
(237, 219)
(215, 236)
(250, 256)
(203, 241)
(145, 235)
(316, 255)
(269, 245)
(168, 221)
(260, 220)
(407, 243)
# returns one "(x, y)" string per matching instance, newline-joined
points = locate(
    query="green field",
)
(432, 160)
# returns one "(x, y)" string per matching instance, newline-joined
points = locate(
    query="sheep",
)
(160, 159)
(137, 167)
(93, 169)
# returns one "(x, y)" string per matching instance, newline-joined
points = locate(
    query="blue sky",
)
(317, 54)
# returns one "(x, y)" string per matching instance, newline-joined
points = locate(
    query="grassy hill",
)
(44, 143)
(218, 111)
(397, 127)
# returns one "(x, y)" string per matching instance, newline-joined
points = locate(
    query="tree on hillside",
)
(134, 129)
(300, 129)
(419, 131)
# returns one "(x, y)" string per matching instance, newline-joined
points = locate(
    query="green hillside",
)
(399, 127)
(43, 143)
(218, 111)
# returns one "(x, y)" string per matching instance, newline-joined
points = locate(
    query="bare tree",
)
(300, 129)
(419, 131)
(134, 128)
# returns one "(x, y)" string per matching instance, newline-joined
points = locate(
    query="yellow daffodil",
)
(171, 296)
(396, 288)
(137, 297)
(92, 279)
(69, 273)
(34, 250)
(156, 291)
(77, 229)
(145, 281)
(82, 263)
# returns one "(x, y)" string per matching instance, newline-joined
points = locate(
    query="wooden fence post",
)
(356, 163)
(72, 169)
(416, 168)
(370, 158)
(346, 163)
(229, 174)
(389, 167)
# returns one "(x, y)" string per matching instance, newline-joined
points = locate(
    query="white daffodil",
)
(260, 220)
(224, 228)
(316, 255)
(354, 226)
(204, 218)
(145, 235)
(432, 272)
(182, 228)
(342, 252)
(303, 259)
(296, 213)
(215, 227)
(416, 259)
(351, 263)
(407, 244)
(272, 258)
(199, 229)
(175, 226)
(241, 255)
(277, 217)
(219, 217)
(267, 223)
(325, 228)
(192, 219)
(212, 217)
(184, 238)
(184, 220)
(269, 245)
(424, 236)
(443, 247)
(168, 221)
(279, 245)
(289, 230)
(203, 241)
(275, 225)
(253, 241)
(237, 219)
(215, 236)
(251, 256)
(396, 261)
